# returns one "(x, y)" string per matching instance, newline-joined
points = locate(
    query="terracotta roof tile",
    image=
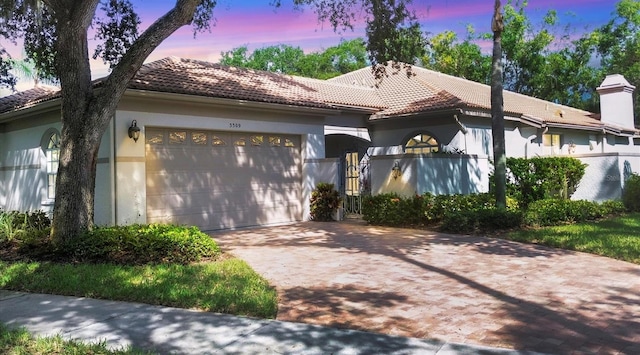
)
(426, 90)
(28, 98)
(193, 77)
(398, 94)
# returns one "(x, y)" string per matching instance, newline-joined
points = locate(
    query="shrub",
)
(535, 179)
(612, 207)
(551, 212)
(631, 193)
(142, 244)
(481, 220)
(382, 209)
(422, 210)
(325, 200)
(14, 224)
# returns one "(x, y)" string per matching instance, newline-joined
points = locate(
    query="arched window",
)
(422, 143)
(51, 147)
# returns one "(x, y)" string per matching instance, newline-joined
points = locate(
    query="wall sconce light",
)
(396, 171)
(134, 131)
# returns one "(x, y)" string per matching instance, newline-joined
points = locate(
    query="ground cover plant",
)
(617, 237)
(21, 342)
(156, 264)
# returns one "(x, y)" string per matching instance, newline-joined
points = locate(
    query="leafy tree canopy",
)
(334, 61)
(542, 60)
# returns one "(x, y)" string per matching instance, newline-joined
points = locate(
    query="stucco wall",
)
(23, 165)
(436, 173)
(604, 175)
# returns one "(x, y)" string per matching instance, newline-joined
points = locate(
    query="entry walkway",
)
(461, 289)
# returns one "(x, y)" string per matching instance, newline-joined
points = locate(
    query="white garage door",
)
(217, 180)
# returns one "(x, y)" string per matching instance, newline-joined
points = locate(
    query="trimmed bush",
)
(551, 212)
(535, 179)
(631, 193)
(325, 201)
(481, 220)
(392, 210)
(142, 244)
(424, 210)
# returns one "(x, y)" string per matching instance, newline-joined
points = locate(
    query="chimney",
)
(616, 101)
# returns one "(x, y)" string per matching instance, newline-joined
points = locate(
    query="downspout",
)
(114, 180)
(464, 131)
(546, 129)
(528, 143)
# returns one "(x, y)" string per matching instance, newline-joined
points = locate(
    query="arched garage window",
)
(51, 146)
(422, 143)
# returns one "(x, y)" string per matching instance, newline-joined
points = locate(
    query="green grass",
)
(617, 237)
(20, 341)
(226, 286)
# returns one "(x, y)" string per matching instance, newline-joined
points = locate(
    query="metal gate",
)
(355, 178)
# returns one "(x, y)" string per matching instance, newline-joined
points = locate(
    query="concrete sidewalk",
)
(180, 331)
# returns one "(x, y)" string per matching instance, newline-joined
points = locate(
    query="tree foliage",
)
(392, 30)
(444, 53)
(545, 60)
(343, 58)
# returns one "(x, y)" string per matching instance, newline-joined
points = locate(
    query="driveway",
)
(463, 289)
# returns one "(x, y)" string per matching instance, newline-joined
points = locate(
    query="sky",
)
(257, 24)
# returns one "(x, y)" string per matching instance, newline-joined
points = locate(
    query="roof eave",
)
(261, 105)
(43, 106)
(386, 118)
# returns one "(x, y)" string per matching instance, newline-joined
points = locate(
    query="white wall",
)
(604, 175)
(316, 171)
(23, 165)
(24, 169)
(434, 173)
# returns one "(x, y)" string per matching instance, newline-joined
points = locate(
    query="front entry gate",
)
(354, 184)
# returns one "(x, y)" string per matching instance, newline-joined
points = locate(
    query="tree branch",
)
(117, 82)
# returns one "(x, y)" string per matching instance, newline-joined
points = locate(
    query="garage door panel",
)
(219, 199)
(223, 186)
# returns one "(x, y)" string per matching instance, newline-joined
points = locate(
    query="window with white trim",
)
(551, 143)
(422, 143)
(52, 153)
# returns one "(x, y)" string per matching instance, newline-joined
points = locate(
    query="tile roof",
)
(426, 90)
(194, 77)
(398, 94)
(200, 78)
(28, 98)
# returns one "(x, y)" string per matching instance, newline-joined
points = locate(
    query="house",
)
(223, 147)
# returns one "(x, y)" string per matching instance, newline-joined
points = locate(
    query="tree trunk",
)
(85, 115)
(497, 110)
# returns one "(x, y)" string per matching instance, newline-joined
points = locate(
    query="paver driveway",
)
(455, 288)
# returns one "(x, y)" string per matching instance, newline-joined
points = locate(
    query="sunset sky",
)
(257, 24)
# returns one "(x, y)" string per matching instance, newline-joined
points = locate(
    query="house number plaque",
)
(234, 125)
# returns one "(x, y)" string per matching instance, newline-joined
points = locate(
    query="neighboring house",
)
(223, 147)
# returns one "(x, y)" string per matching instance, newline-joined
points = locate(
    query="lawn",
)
(617, 238)
(20, 341)
(227, 285)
